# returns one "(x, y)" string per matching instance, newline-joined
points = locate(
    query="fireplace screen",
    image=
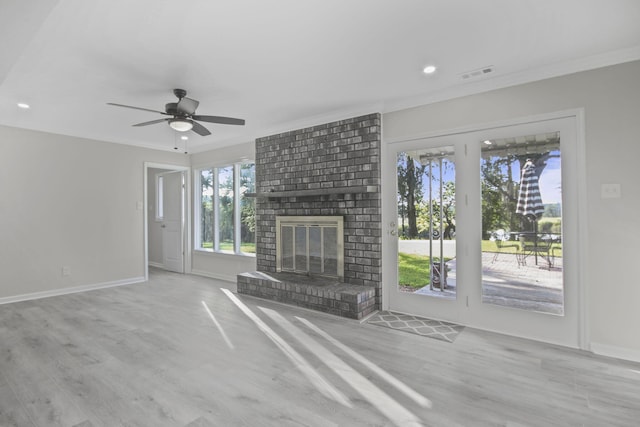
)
(310, 245)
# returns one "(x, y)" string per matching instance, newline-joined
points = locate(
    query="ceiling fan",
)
(183, 117)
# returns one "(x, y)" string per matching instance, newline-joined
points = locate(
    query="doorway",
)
(166, 224)
(463, 249)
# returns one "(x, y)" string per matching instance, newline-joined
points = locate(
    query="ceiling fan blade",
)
(152, 122)
(187, 106)
(220, 120)
(136, 108)
(200, 130)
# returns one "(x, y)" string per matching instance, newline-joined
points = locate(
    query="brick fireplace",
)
(329, 170)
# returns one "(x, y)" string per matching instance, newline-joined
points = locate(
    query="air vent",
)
(474, 74)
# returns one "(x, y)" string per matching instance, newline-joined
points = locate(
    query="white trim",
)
(211, 251)
(216, 276)
(215, 200)
(615, 351)
(584, 328)
(156, 265)
(73, 290)
(237, 215)
(477, 127)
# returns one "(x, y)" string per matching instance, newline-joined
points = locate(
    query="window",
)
(159, 198)
(426, 221)
(225, 214)
(247, 208)
(521, 180)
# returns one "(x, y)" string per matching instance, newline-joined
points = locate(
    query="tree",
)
(448, 214)
(247, 205)
(449, 209)
(225, 204)
(500, 191)
(206, 212)
(410, 194)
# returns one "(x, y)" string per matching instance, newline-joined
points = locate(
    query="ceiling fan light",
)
(181, 125)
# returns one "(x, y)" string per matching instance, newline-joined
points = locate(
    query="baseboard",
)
(73, 290)
(615, 351)
(211, 275)
(156, 264)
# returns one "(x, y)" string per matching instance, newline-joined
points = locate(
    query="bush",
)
(550, 225)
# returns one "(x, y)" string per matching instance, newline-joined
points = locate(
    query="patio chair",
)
(533, 244)
(501, 237)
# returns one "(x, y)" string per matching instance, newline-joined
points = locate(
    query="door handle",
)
(163, 226)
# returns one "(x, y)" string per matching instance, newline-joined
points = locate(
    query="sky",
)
(550, 182)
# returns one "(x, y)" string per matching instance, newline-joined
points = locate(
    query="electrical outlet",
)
(610, 191)
(66, 271)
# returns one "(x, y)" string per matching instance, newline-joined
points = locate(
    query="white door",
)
(469, 182)
(172, 223)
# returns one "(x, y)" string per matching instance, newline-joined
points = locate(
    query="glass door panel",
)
(427, 222)
(510, 267)
(521, 185)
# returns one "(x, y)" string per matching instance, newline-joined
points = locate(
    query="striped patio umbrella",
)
(529, 200)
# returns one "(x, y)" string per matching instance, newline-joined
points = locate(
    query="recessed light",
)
(429, 69)
(23, 105)
(487, 142)
(184, 137)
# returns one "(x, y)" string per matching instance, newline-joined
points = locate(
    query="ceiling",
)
(282, 64)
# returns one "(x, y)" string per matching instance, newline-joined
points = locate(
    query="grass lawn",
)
(247, 248)
(413, 270)
(490, 246)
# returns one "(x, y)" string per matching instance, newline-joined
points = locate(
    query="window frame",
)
(237, 214)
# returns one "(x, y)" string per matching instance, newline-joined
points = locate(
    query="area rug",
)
(437, 329)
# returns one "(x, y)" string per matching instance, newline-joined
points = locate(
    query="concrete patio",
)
(529, 287)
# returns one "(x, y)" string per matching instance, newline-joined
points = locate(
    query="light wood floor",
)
(151, 355)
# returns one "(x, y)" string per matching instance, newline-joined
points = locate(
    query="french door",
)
(481, 229)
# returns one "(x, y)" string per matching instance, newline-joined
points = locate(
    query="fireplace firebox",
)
(311, 245)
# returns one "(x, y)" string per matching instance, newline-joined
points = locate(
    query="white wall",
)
(217, 265)
(611, 99)
(70, 202)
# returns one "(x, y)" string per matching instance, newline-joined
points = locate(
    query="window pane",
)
(160, 197)
(315, 250)
(206, 209)
(301, 248)
(287, 248)
(427, 221)
(522, 223)
(330, 244)
(225, 206)
(247, 208)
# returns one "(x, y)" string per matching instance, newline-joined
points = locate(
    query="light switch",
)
(610, 191)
